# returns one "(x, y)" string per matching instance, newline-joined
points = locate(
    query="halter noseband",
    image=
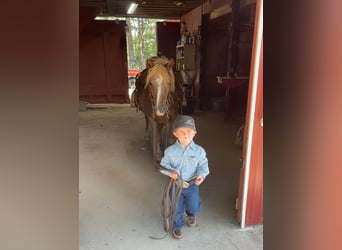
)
(162, 108)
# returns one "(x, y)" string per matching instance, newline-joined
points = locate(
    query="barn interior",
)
(120, 191)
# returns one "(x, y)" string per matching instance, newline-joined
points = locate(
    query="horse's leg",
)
(157, 134)
(170, 139)
(155, 142)
(147, 135)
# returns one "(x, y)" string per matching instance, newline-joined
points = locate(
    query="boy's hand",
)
(199, 180)
(174, 175)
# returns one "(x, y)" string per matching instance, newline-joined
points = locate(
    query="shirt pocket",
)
(193, 160)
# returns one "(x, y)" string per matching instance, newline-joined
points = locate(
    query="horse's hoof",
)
(132, 104)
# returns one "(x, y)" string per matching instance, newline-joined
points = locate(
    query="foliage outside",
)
(141, 41)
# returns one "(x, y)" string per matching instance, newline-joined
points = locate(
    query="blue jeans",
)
(190, 201)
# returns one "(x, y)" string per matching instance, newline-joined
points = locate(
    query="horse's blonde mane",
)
(160, 65)
(156, 59)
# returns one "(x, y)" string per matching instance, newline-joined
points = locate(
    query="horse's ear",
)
(170, 64)
(149, 63)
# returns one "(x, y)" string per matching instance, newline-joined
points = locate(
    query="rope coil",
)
(171, 194)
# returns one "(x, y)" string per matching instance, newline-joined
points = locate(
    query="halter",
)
(164, 108)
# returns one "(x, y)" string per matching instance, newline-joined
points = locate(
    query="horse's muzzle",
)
(160, 111)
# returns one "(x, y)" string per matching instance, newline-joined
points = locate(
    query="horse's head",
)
(160, 81)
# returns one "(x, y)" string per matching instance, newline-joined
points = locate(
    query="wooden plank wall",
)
(168, 33)
(102, 60)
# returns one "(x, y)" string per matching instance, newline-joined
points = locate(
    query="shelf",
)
(232, 82)
(185, 57)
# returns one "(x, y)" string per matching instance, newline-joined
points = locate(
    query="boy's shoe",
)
(177, 233)
(191, 221)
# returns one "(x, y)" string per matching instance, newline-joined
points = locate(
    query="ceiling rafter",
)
(165, 9)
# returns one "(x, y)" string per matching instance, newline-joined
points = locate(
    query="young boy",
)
(188, 161)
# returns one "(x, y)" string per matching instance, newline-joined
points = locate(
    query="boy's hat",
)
(184, 121)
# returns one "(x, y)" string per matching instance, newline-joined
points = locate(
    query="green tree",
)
(130, 48)
(141, 41)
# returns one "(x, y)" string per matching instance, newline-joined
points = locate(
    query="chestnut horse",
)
(159, 95)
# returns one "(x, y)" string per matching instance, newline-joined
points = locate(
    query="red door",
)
(168, 33)
(102, 60)
(250, 198)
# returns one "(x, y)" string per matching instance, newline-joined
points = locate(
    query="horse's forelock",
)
(159, 68)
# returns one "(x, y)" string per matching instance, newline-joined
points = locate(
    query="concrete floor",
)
(120, 192)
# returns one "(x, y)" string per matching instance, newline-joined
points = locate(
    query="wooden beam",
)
(110, 5)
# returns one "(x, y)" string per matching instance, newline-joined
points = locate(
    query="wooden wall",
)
(214, 20)
(167, 36)
(215, 28)
(102, 60)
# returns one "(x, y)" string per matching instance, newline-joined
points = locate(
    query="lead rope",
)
(167, 124)
(171, 194)
(154, 143)
(155, 124)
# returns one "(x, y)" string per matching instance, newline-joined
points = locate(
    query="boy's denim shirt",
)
(190, 162)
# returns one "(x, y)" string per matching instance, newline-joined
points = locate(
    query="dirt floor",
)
(120, 192)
